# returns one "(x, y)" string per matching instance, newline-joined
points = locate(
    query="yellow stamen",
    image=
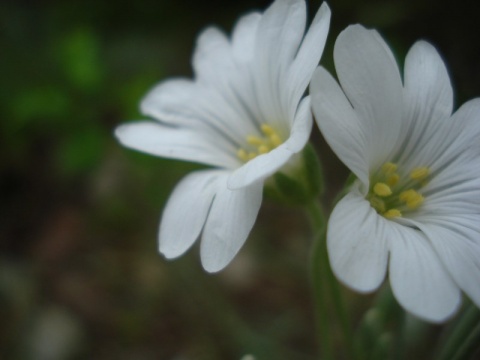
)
(415, 202)
(407, 195)
(393, 179)
(382, 189)
(242, 154)
(392, 213)
(267, 129)
(254, 140)
(419, 173)
(411, 198)
(275, 140)
(389, 168)
(393, 194)
(263, 149)
(258, 145)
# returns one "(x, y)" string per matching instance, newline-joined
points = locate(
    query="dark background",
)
(80, 276)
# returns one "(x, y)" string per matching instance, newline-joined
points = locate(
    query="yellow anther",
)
(407, 195)
(242, 154)
(386, 196)
(392, 213)
(382, 189)
(389, 168)
(415, 202)
(411, 198)
(263, 149)
(419, 173)
(257, 145)
(393, 179)
(255, 140)
(267, 129)
(275, 140)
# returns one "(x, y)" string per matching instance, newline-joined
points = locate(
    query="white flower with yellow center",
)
(415, 206)
(244, 114)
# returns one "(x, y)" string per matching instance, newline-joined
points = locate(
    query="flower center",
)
(392, 195)
(257, 145)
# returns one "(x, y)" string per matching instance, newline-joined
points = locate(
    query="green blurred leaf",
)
(81, 60)
(49, 103)
(82, 151)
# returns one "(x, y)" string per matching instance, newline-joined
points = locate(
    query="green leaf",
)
(313, 170)
(290, 189)
(81, 60)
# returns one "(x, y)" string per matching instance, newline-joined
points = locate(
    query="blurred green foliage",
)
(80, 277)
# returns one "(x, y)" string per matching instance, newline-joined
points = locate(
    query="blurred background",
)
(80, 276)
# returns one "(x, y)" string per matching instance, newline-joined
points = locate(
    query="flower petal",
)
(301, 127)
(229, 222)
(279, 34)
(176, 143)
(243, 38)
(223, 109)
(164, 102)
(452, 153)
(428, 100)
(212, 57)
(265, 165)
(308, 55)
(371, 80)
(186, 211)
(339, 123)
(456, 240)
(357, 243)
(419, 280)
(259, 168)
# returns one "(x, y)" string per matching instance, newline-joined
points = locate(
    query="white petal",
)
(175, 143)
(339, 124)
(309, 54)
(183, 102)
(220, 110)
(469, 116)
(265, 165)
(456, 240)
(280, 31)
(212, 57)
(229, 222)
(278, 36)
(301, 128)
(419, 280)
(428, 97)
(370, 77)
(164, 102)
(243, 38)
(357, 243)
(186, 212)
(259, 168)
(452, 153)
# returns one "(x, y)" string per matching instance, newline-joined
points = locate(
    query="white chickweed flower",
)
(415, 206)
(245, 114)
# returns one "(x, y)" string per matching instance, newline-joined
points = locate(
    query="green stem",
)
(321, 276)
(318, 280)
(468, 346)
(459, 337)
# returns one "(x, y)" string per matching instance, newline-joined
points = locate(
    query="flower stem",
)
(322, 276)
(459, 341)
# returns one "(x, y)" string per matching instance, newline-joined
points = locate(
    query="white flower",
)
(415, 206)
(243, 114)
